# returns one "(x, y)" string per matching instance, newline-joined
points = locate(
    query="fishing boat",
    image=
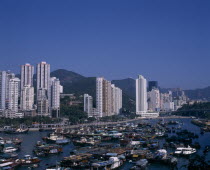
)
(47, 149)
(28, 160)
(9, 130)
(53, 138)
(12, 130)
(112, 163)
(86, 142)
(79, 161)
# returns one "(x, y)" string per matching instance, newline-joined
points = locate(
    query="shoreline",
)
(105, 123)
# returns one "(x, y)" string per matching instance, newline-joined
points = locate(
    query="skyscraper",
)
(27, 89)
(27, 98)
(108, 98)
(154, 100)
(99, 96)
(116, 100)
(27, 72)
(3, 84)
(4, 88)
(43, 89)
(13, 94)
(88, 105)
(141, 95)
(55, 96)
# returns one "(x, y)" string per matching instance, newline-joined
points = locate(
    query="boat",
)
(9, 130)
(21, 130)
(9, 149)
(161, 154)
(11, 165)
(141, 164)
(53, 138)
(115, 134)
(185, 151)
(12, 130)
(78, 161)
(112, 163)
(86, 142)
(28, 160)
(47, 149)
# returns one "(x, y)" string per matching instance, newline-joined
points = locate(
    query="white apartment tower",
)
(99, 96)
(88, 105)
(103, 97)
(55, 96)
(4, 89)
(43, 89)
(13, 94)
(27, 72)
(27, 98)
(141, 95)
(116, 100)
(3, 84)
(27, 89)
(108, 98)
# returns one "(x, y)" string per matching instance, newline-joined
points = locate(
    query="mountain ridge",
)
(79, 84)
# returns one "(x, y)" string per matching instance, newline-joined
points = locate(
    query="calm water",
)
(30, 139)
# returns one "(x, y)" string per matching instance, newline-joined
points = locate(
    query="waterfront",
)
(30, 140)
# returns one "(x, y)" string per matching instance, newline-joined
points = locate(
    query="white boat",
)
(115, 134)
(57, 139)
(9, 149)
(135, 143)
(185, 151)
(161, 154)
(112, 163)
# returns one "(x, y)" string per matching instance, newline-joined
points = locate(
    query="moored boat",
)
(185, 151)
(28, 160)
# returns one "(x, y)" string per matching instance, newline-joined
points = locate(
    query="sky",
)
(163, 40)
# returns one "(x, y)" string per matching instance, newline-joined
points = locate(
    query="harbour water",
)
(30, 140)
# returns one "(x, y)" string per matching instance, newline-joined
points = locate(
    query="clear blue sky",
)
(164, 40)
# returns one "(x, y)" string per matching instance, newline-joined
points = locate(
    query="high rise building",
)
(27, 72)
(88, 105)
(116, 100)
(13, 94)
(4, 89)
(108, 98)
(56, 89)
(3, 84)
(154, 100)
(27, 98)
(99, 96)
(166, 101)
(152, 84)
(43, 76)
(43, 89)
(27, 89)
(141, 95)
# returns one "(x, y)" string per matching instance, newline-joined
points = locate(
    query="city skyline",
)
(18, 73)
(165, 41)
